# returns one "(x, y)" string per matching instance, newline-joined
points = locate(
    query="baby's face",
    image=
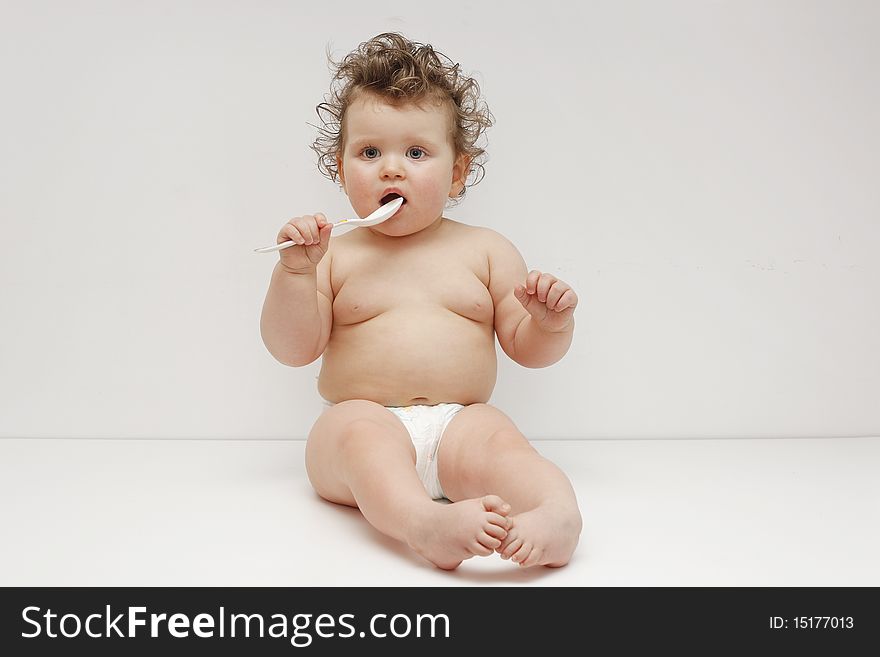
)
(403, 150)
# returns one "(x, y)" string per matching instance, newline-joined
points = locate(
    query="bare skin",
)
(356, 439)
(446, 535)
(483, 450)
(407, 312)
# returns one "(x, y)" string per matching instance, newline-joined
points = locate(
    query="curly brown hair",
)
(398, 71)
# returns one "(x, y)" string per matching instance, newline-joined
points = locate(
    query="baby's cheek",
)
(435, 190)
(359, 194)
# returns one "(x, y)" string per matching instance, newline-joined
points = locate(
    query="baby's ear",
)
(340, 171)
(460, 170)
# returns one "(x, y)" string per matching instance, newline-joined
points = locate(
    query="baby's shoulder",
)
(496, 246)
(489, 238)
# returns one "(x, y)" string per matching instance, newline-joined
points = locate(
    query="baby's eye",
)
(416, 153)
(370, 152)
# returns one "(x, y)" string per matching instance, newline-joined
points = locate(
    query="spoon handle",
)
(289, 243)
(377, 217)
(275, 247)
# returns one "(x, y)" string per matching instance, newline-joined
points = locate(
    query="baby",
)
(405, 314)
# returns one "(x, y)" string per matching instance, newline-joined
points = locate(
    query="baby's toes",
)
(522, 554)
(533, 559)
(510, 546)
(479, 549)
(496, 504)
(499, 521)
(495, 531)
(488, 541)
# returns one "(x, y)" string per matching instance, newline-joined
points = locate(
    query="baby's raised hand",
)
(311, 234)
(550, 301)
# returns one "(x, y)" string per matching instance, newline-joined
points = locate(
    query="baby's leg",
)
(483, 452)
(359, 454)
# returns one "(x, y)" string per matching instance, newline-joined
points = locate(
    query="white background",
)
(705, 174)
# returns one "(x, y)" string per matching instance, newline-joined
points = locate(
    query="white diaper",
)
(425, 425)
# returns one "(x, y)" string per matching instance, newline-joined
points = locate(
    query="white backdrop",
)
(705, 174)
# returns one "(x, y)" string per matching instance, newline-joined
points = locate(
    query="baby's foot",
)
(544, 536)
(451, 533)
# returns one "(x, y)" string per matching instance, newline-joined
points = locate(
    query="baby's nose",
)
(391, 168)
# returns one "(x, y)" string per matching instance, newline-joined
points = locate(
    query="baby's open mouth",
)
(390, 197)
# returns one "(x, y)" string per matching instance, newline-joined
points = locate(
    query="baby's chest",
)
(373, 287)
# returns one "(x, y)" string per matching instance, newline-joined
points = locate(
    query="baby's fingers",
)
(291, 233)
(567, 300)
(532, 281)
(310, 229)
(304, 230)
(324, 230)
(554, 294)
(545, 282)
(560, 297)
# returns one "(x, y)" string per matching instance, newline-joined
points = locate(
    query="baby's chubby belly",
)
(422, 354)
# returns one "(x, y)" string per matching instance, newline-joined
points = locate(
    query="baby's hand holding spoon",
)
(310, 229)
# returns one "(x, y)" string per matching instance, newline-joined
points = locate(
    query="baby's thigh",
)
(474, 448)
(352, 423)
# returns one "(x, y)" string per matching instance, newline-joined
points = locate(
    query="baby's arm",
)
(534, 312)
(298, 310)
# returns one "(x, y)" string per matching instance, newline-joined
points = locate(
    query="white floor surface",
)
(799, 512)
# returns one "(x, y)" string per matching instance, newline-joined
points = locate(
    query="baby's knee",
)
(573, 522)
(359, 432)
(507, 439)
(356, 407)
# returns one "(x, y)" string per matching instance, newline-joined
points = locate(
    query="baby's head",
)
(394, 70)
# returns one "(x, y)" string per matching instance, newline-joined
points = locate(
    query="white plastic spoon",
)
(384, 212)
